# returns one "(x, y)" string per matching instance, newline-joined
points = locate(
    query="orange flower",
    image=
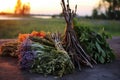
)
(41, 34)
(22, 37)
(34, 33)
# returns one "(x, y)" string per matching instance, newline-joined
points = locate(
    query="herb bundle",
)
(95, 44)
(9, 49)
(36, 56)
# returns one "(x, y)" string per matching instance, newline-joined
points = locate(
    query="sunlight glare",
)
(49, 6)
(7, 5)
(24, 1)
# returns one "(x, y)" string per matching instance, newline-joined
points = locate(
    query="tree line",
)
(107, 9)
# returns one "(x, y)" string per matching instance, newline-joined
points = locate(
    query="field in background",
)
(110, 26)
(11, 28)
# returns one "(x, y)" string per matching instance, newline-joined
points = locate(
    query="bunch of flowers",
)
(40, 34)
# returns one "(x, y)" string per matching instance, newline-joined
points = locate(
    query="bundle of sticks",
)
(73, 47)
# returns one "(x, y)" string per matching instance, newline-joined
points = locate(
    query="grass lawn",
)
(11, 28)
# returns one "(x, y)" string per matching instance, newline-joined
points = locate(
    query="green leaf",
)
(98, 47)
(101, 59)
(103, 53)
(96, 56)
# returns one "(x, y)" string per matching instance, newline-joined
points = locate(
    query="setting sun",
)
(49, 6)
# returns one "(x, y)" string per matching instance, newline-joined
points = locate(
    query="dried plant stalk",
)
(73, 47)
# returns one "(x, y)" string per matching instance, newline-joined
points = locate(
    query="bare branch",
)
(63, 5)
(75, 9)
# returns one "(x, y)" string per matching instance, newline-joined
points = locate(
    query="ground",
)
(9, 70)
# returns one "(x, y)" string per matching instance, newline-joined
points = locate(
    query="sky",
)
(85, 7)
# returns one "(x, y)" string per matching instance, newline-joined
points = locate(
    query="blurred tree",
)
(111, 9)
(61, 14)
(21, 8)
(26, 9)
(95, 13)
(18, 7)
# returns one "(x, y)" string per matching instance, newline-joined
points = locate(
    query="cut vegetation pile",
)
(51, 53)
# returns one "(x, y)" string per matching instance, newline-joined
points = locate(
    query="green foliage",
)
(48, 59)
(95, 44)
(42, 41)
(51, 61)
